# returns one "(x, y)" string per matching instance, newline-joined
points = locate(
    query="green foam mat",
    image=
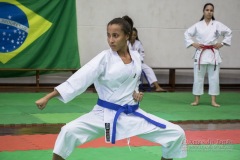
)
(20, 108)
(195, 152)
(57, 117)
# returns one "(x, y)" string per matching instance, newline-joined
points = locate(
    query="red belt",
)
(203, 49)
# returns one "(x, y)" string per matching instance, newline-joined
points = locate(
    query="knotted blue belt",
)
(127, 109)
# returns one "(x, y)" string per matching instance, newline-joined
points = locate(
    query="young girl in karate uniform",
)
(115, 73)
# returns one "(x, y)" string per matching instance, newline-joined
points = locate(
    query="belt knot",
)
(128, 109)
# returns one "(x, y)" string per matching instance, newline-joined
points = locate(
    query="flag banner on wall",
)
(38, 34)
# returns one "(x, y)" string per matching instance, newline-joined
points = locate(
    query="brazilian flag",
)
(38, 34)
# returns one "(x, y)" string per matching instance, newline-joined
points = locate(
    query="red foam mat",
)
(44, 142)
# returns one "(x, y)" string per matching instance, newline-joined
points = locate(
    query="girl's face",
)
(208, 12)
(116, 38)
(134, 36)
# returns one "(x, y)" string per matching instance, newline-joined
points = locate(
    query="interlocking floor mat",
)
(19, 108)
(44, 142)
(195, 152)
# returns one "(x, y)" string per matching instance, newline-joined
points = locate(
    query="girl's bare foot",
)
(214, 104)
(194, 103)
(160, 90)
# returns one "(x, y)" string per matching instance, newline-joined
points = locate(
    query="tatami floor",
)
(28, 133)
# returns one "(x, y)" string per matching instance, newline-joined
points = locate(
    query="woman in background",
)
(135, 44)
(207, 56)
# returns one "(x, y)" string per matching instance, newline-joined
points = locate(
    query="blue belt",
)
(126, 109)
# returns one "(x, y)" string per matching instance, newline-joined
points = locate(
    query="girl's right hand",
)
(41, 103)
(197, 45)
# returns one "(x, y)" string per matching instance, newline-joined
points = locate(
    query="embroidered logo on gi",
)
(134, 75)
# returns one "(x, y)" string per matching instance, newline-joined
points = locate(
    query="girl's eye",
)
(209, 10)
(115, 35)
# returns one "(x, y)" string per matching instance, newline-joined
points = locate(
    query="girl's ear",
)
(127, 37)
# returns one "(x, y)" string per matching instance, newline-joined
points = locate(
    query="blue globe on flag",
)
(19, 28)
(13, 27)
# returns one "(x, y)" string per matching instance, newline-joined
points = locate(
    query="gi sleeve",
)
(226, 33)
(141, 51)
(82, 79)
(188, 35)
(137, 84)
(137, 57)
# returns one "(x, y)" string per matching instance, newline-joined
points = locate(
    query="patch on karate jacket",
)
(107, 132)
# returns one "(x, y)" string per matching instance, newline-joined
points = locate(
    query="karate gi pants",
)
(91, 126)
(213, 79)
(151, 77)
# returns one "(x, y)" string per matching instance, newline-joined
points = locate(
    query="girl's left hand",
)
(137, 96)
(218, 46)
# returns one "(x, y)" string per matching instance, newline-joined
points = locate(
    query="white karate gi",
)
(137, 46)
(115, 82)
(207, 35)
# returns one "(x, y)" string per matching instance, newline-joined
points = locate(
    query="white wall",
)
(161, 24)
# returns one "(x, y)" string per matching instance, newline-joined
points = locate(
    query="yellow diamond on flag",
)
(19, 27)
